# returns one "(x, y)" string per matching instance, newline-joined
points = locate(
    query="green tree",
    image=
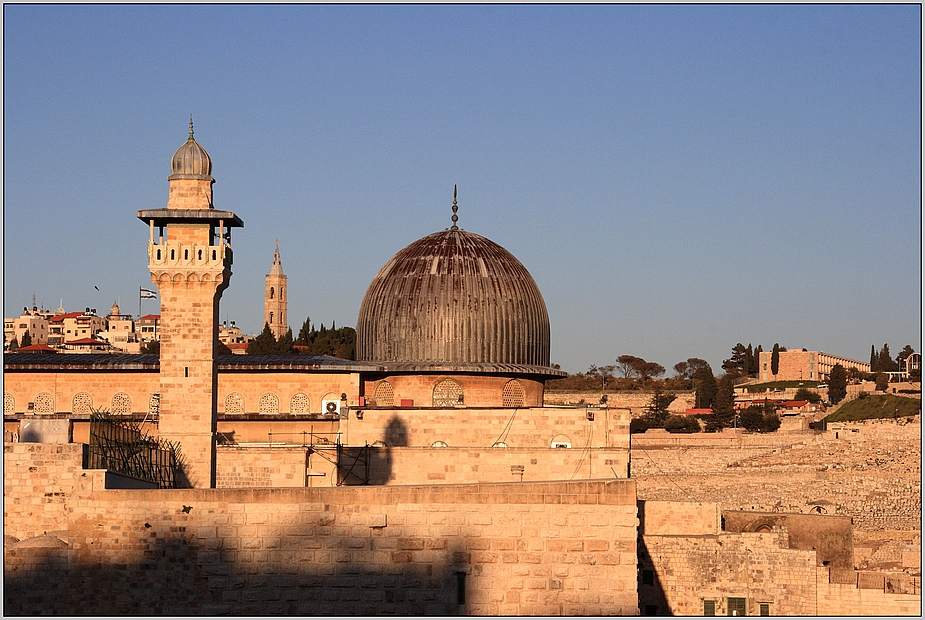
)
(881, 381)
(628, 364)
(884, 361)
(26, 340)
(874, 365)
(602, 373)
(755, 361)
(752, 419)
(775, 359)
(14, 344)
(263, 344)
(838, 384)
(151, 347)
(902, 355)
(220, 348)
(284, 344)
(704, 387)
(807, 394)
(723, 404)
(682, 424)
(657, 409)
(305, 333)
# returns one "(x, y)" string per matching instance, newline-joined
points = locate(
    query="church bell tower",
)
(274, 299)
(189, 256)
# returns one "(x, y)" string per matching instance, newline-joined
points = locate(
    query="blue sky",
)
(677, 179)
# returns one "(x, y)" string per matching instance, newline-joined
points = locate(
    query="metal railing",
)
(120, 446)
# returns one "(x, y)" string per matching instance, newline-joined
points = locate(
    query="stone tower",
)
(274, 299)
(190, 262)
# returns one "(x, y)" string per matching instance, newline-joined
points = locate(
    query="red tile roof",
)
(36, 348)
(68, 315)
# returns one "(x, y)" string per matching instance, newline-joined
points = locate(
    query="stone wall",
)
(634, 401)
(492, 549)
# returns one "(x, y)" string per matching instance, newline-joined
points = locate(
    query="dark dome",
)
(454, 298)
(191, 161)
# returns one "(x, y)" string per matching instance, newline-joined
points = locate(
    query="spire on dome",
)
(455, 218)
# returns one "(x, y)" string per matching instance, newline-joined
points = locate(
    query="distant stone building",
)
(803, 365)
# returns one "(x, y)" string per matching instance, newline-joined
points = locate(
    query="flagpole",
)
(139, 302)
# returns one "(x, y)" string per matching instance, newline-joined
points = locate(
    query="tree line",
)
(310, 341)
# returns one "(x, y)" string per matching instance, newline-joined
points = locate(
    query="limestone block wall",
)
(837, 599)
(298, 466)
(273, 392)
(100, 386)
(478, 390)
(254, 467)
(635, 401)
(495, 549)
(38, 481)
(760, 568)
(482, 428)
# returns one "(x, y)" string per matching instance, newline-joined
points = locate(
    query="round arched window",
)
(448, 393)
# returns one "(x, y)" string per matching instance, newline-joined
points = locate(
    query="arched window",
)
(83, 403)
(269, 403)
(448, 393)
(271, 318)
(234, 403)
(9, 404)
(300, 404)
(385, 395)
(44, 403)
(512, 395)
(271, 292)
(121, 404)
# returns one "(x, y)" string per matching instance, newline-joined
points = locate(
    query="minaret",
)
(274, 298)
(190, 262)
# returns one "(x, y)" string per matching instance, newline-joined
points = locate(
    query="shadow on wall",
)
(652, 599)
(175, 576)
(373, 464)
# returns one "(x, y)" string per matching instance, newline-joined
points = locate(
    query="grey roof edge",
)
(450, 367)
(191, 215)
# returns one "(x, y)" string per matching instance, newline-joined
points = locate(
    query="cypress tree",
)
(775, 359)
(27, 340)
(874, 367)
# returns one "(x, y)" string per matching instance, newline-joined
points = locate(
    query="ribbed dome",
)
(191, 161)
(454, 297)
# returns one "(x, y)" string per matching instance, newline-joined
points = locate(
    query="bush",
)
(682, 424)
(805, 394)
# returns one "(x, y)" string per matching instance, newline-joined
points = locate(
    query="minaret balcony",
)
(176, 255)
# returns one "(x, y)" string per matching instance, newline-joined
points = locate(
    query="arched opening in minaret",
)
(271, 292)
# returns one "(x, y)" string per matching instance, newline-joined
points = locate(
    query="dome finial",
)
(190, 126)
(455, 218)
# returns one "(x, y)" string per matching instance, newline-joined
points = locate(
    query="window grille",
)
(300, 404)
(269, 403)
(44, 403)
(448, 393)
(385, 395)
(513, 394)
(234, 403)
(709, 608)
(9, 405)
(121, 404)
(83, 403)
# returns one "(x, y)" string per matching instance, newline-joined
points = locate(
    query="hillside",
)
(876, 406)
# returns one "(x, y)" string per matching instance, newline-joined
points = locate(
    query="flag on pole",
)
(147, 294)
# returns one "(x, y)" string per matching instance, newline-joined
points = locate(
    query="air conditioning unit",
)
(330, 406)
